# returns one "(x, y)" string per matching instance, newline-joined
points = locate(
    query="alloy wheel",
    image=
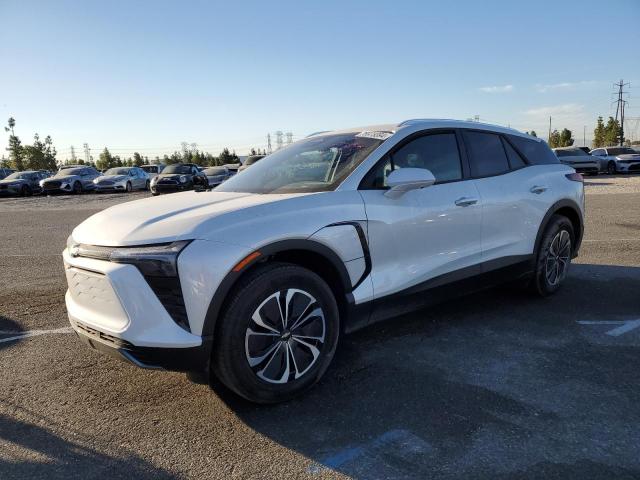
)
(285, 336)
(558, 258)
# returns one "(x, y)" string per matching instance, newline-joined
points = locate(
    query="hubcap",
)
(285, 336)
(558, 258)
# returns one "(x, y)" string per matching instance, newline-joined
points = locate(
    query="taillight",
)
(575, 177)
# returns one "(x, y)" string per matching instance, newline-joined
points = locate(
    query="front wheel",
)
(611, 168)
(77, 188)
(554, 256)
(129, 187)
(278, 334)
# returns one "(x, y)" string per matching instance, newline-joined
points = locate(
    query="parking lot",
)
(499, 385)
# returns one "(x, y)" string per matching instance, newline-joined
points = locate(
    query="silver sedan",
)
(122, 179)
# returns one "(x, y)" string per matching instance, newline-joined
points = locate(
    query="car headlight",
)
(41, 183)
(183, 179)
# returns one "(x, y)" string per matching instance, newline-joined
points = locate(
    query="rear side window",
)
(486, 154)
(536, 152)
(515, 160)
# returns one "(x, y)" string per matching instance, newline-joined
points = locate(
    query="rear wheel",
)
(611, 168)
(147, 185)
(554, 256)
(278, 334)
(77, 188)
(129, 188)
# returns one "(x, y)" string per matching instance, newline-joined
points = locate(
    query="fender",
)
(232, 277)
(565, 203)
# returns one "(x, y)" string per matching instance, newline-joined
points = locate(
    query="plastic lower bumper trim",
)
(192, 359)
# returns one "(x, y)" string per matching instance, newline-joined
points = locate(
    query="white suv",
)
(255, 281)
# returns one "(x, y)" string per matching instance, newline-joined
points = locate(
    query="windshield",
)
(571, 153)
(215, 171)
(19, 176)
(177, 168)
(621, 151)
(117, 171)
(69, 171)
(315, 164)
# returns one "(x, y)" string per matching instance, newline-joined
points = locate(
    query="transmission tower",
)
(289, 136)
(73, 154)
(279, 139)
(620, 103)
(184, 147)
(269, 149)
(194, 147)
(87, 153)
(633, 126)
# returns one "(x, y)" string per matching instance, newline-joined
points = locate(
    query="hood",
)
(13, 181)
(165, 218)
(112, 178)
(61, 178)
(629, 157)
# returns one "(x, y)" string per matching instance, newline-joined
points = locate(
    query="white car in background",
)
(577, 158)
(122, 179)
(254, 282)
(617, 159)
(153, 170)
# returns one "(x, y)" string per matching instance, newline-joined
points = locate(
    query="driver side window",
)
(436, 152)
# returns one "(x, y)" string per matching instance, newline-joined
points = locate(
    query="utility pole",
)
(73, 154)
(620, 103)
(269, 149)
(549, 137)
(584, 136)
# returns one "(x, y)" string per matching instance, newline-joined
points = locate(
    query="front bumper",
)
(628, 167)
(170, 188)
(10, 190)
(110, 188)
(66, 188)
(113, 309)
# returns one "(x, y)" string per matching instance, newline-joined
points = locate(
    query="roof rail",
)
(413, 121)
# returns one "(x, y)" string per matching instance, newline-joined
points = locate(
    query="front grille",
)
(169, 292)
(3, 187)
(52, 185)
(105, 183)
(167, 181)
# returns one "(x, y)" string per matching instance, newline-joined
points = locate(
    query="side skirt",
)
(439, 289)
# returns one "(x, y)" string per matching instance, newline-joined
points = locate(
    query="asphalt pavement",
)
(495, 385)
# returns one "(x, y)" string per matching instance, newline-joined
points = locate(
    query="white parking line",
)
(31, 333)
(625, 326)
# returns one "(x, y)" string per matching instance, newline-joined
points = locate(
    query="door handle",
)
(538, 189)
(466, 201)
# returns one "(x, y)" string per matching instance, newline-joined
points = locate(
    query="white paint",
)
(624, 326)
(32, 333)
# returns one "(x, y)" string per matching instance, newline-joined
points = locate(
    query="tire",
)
(77, 188)
(24, 191)
(147, 185)
(553, 258)
(129, 187)
(256, 360)
(611, 168)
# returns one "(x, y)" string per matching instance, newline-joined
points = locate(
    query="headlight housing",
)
(160, 260)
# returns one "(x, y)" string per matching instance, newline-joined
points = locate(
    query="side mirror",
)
(405, 179)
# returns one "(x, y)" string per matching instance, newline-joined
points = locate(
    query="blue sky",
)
(147, 75)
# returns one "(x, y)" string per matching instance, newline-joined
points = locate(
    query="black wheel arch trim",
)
(229, 281)
(566, 203)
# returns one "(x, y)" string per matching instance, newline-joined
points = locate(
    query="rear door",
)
(514, 197)
(425, 233)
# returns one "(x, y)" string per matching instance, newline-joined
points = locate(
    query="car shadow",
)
(33, 451)
(8, 330)
(494, 384)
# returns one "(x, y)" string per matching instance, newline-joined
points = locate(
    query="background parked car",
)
(177, 178)
(152, 170)
(71, 180)
(617, 159)
(232, 167)
(5, 172)
(122, 179)
(216, 175)
(21, 183)
(576, 157)
(251, 159)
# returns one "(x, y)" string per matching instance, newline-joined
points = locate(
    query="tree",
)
(565, 138)
(15, 148)
(227, 157)
(612, 132)
(599, 134)
(554, 139)
(105, 160)
(137, 159)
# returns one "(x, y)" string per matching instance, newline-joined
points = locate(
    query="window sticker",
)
(378, 135)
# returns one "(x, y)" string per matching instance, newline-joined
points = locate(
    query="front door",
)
(427, 236)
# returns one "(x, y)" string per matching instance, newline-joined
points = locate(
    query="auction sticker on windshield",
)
(378, 135)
